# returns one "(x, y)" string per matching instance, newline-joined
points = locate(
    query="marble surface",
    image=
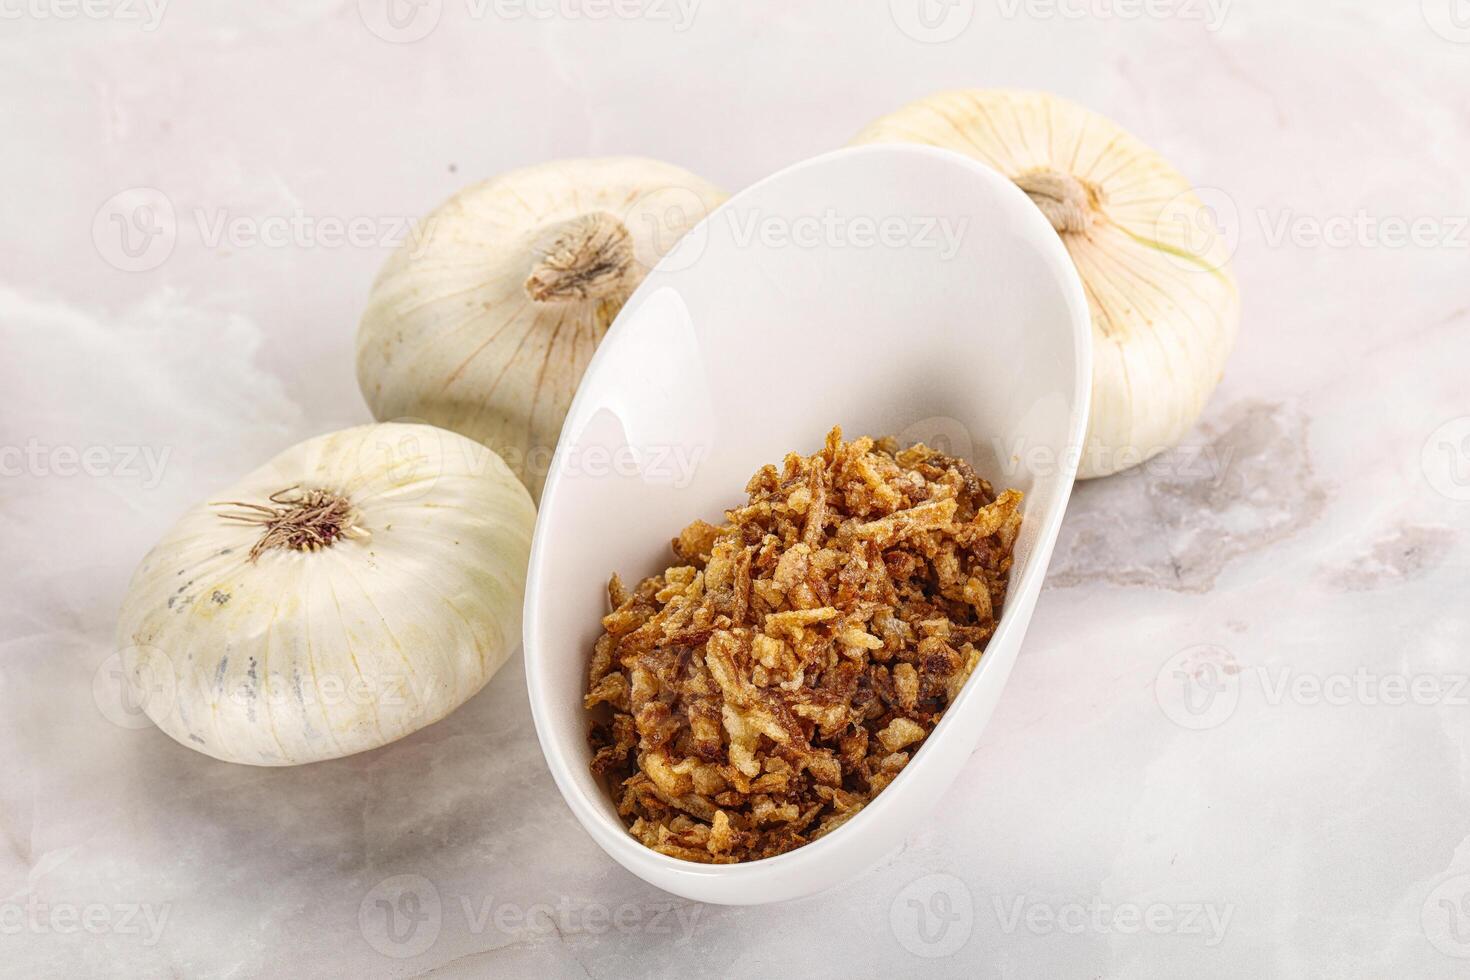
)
(1234, 743)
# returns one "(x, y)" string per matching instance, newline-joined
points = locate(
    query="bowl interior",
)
(892, 290)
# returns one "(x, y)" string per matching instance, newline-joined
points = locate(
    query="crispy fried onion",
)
(763, 690)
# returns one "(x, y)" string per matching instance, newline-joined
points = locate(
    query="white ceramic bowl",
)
(892, 289)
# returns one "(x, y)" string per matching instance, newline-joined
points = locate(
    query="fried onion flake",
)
(764, 688)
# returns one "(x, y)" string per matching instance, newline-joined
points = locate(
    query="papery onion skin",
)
(1155, 265)
(298, 656)
(484, 321)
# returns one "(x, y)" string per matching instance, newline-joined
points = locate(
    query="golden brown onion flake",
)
(763, 690)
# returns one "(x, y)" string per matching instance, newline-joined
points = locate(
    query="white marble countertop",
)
(1311, 542)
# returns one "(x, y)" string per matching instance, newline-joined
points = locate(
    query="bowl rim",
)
(613, 837)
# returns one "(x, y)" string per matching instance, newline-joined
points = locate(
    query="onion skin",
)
(485, 322)
(304, 651)
(1164, 304)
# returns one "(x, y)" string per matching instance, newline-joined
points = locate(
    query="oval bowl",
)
(895, 290)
